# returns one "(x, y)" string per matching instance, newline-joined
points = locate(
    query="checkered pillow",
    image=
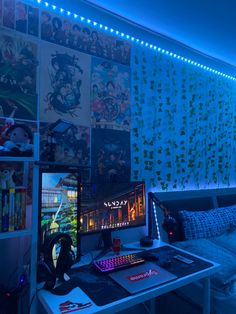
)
(205, 224)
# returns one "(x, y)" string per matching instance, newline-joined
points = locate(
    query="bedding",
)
(220, 249)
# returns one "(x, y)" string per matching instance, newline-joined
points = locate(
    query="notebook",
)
(142, 277)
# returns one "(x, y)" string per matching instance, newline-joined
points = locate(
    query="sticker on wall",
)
(110, 155)
(110, 95)
(21, 17)
(18, 69)
(9, 13)
(65, 83)
(33, 21)
(62, 141)
(77, 36)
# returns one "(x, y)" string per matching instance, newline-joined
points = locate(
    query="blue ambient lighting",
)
(138, 41)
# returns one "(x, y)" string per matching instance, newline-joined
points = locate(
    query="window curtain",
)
(183, 124)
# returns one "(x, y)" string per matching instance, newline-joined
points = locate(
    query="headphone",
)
(49, 269)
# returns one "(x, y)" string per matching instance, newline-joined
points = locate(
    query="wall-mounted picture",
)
(17, 138)
(33, 21)
(110, 95)
(8, 18)
(18, 70)
(83, 38)
(65, 85)
(110, 155)
(21, 17)
(62, 141)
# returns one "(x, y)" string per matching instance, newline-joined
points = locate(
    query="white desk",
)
(51, 303)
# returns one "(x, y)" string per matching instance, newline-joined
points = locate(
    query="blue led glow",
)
(138, 41)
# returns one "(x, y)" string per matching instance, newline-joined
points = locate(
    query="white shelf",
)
(15, 234)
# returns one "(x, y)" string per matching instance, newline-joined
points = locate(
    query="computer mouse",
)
(149, 256)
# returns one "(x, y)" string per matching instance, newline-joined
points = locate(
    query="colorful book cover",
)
(17, 209)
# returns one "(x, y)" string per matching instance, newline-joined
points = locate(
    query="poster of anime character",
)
(110, 95)
(0, 12)
(65, 85)
(83, 38)
(33, 21)
(67, 143)
(18, 72)
(110, 155)
(8, 19)
(17, 137)
(21, 17)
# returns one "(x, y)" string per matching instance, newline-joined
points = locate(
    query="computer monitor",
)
(59, 204)
(112, 206)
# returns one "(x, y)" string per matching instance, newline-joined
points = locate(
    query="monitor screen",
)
(59, 205)
(108, 206)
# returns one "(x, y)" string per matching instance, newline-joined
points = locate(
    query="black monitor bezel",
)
(59, 169)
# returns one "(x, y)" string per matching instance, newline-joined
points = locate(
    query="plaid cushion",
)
(205, 224)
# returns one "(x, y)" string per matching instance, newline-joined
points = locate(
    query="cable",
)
(32, 299)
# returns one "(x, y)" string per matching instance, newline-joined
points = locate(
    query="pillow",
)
(205, 224)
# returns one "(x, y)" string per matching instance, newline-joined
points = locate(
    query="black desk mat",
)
(102, 290)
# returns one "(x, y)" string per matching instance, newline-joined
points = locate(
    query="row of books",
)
(12, 209)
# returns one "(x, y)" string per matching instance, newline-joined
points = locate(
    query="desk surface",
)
(77, 300)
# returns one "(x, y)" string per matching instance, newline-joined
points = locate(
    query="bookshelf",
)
(19, 238)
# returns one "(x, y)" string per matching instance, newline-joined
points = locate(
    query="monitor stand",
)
(106, 243)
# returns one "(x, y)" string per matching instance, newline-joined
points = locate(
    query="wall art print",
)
(110, 95)
(77, 36)
(65, 85)
(8, 12)
(18, 71)
(72, 145)
(110, 155)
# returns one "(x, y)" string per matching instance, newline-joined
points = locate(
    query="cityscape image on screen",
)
(107, 206)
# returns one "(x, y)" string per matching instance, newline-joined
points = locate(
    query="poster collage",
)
(70, 83)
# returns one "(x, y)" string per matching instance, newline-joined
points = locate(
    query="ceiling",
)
(206, 25)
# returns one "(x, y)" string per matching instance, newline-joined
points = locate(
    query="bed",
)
(206, 222)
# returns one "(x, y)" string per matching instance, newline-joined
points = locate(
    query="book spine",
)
(11, 209)
(17, 210)
(23, 209)
(0, 210)
(5, 210)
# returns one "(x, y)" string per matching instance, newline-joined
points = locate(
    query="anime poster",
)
(8, 19)
(110, 95)
(65, 85)
(17, 137)
(18, 71)
(83, 38)
(21, 17)
(1, 12)
(33, 21)
(110, 155)
(65, 142)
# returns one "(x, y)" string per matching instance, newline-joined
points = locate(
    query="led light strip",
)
(131, 38)
(156, 220)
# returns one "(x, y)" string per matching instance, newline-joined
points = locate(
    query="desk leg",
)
(152, 306)
(206, 295)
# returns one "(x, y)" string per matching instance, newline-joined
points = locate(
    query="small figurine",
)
(6, 179)
(20, 140)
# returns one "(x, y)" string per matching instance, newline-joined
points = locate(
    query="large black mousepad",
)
(100, 288)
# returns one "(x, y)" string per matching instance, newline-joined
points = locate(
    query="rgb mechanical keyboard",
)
(118, 262)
